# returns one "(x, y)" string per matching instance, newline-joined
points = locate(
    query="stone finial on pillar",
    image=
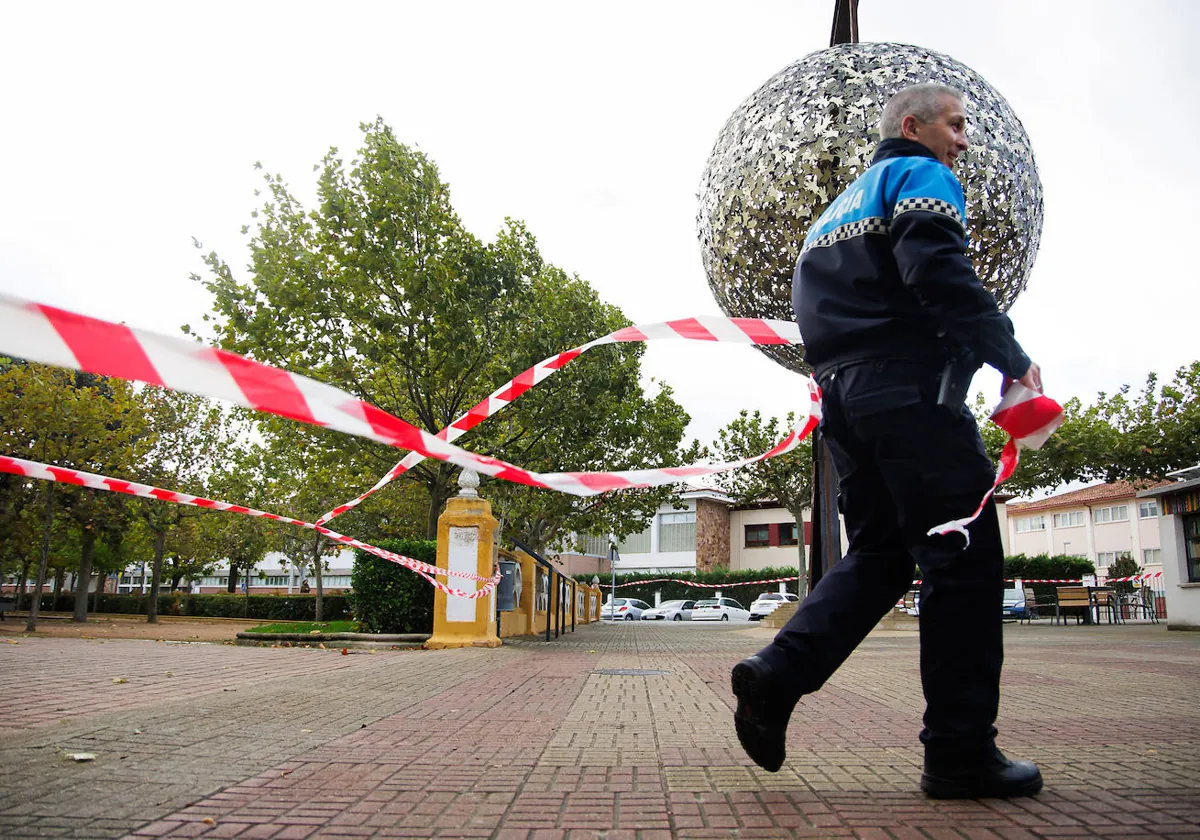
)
(468, 483)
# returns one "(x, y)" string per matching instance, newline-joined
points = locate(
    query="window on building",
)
(274, 580)
(1068, 520)
(1117, 513)
(1104, 559)
(1191, 544)
(677, 531)
(1031, 523)
(635, 543)
(787, 533)
(1151, 556)
(596, 546)
(758, 536)
(1149, 509)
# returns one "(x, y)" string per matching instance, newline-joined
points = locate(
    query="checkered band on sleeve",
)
(932, 205)
(871, 224)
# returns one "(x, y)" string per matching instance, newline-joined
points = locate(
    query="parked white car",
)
(768, 602)
(720, 609)
(670, 611)
(623, 609)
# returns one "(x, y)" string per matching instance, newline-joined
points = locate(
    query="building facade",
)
(1178, 503)
(1098, 523)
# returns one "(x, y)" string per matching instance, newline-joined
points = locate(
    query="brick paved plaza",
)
(528, 741)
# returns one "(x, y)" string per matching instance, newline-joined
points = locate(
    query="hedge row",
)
(1047, 567)
(274, 607)
(388, 598)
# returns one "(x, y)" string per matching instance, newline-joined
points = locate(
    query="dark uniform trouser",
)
(905, 464)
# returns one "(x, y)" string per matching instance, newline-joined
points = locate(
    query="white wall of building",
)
(1183, 598)
(1097, 541)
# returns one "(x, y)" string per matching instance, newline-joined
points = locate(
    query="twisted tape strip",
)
(55, 336)
(701, 585)
(1029, 418)
(45, 472)
(703, 328)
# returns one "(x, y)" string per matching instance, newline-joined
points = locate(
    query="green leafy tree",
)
(786, 479)
(1123, 566)
(308, 471)
(74, 420)
(381, 291)
(1124, 436)
(187, 439)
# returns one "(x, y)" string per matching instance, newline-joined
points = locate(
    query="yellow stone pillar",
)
(465, 538)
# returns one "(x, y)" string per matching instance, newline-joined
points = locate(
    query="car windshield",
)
(671, 604)
(620, 602)
(706, 603)
(770, 596)
(1011, 595)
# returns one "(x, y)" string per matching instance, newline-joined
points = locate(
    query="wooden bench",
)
(1072, 598)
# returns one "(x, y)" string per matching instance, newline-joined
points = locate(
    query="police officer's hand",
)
(1031, 380)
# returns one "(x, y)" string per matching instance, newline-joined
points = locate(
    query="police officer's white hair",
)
(923, 101)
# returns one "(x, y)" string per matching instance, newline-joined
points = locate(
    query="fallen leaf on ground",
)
(119, 680)
(208, 821)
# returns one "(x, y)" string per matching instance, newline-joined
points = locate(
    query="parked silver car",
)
(670, 611)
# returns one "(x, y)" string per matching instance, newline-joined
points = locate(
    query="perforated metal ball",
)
(800, 139)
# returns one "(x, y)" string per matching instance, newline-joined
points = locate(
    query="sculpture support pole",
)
(826, 546)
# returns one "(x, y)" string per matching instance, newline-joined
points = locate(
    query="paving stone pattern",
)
(528, 741)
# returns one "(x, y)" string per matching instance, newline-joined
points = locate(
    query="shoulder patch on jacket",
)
(933, 205)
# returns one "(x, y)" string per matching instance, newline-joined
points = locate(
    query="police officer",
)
(895, 322)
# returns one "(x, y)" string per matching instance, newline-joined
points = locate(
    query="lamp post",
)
(613, 557)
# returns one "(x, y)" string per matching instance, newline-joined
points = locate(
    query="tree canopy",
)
(381, 290)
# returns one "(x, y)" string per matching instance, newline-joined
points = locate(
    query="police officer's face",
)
(945, 136)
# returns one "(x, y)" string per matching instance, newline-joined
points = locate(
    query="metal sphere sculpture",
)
(802, 137)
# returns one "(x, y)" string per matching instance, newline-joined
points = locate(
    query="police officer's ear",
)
(910, 128)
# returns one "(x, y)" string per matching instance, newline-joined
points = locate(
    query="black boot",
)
(955, 776)
(763, 710)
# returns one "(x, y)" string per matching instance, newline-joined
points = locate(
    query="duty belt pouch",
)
(955, 381)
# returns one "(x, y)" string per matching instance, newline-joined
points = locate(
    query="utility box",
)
(508, 592)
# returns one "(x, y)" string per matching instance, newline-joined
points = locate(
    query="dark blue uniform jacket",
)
(884, 273)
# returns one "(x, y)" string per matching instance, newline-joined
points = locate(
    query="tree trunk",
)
(86, 557)
(439, 492)
(31, 624)
(100, 581)
(317, 567)
(59, 574)
(22, 584)
(231, 587)
(160, 543)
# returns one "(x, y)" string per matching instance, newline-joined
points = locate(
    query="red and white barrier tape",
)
(1029, 418)
(701, 585)
(705, 328)
(45, 472)
(1143, 576)
(55, 336)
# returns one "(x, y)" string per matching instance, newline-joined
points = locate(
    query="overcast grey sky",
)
(130, 128)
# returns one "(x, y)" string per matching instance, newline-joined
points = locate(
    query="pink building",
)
(1098, 523)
